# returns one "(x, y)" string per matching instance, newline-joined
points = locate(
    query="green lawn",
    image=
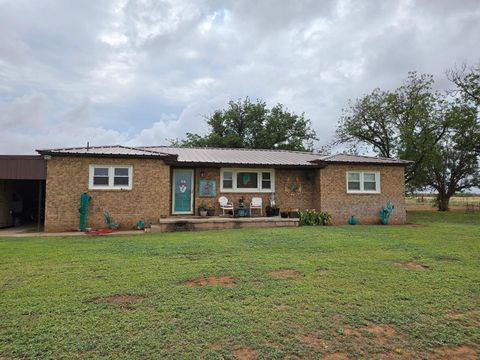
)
(351, 296)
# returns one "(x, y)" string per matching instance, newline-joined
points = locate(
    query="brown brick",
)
(67, 178)
(366, 207)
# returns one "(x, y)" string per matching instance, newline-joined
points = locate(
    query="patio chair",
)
(256, 203)
(225, 204)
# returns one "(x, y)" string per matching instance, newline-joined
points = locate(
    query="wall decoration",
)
(293, 187)
(207, 188)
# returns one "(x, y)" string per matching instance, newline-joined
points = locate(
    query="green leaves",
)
(247, 124)
(437, 131)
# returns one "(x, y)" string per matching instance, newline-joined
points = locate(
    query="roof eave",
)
(165, 157)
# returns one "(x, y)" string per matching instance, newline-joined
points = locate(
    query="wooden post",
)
(39, 210)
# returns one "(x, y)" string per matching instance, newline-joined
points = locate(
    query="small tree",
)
(247, 124)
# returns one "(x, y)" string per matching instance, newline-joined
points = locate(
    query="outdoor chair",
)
(225, 204)
(256, 203)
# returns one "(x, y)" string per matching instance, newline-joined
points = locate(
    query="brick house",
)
(152, 182)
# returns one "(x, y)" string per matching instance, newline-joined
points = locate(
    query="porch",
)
(220, 223)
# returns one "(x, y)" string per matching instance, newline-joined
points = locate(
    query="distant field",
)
(427, 202)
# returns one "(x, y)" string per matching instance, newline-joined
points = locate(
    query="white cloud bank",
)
(141, 72)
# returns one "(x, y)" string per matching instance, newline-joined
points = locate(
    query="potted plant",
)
(284, 214)
(202, 210)
(275, 210)
(210, 211)
(269, 210)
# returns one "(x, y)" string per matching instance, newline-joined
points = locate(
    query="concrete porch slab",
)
(220, 223)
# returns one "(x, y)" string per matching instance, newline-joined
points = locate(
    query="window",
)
(363, 182)
(227, 181)
(266, 180)
(247, 180)
(110, 177)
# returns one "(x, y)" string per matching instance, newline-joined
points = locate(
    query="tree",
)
(467, 81)
(440, 134)
(247, 124)
(453, 162)
(404, 123)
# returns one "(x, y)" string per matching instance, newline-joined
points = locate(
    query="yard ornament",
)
(386, 212)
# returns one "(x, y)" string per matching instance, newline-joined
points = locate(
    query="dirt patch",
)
(212, 280)
(215, 346)
(412, 265)
(461, 352)
(119, 299)
(312, 340)
(467, 316)
(288, 273)
(283, 307)
(322, 271)
(245, 353)
(380, 330)
(336, 356)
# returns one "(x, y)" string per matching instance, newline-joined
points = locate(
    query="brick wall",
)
(67, 178)
(305, 199)
(366, 207)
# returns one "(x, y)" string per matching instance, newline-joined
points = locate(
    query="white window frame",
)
(362, 191)
(111, 176)
(259, 172)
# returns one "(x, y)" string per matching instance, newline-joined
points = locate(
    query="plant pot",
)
(276, 211)
(203, 212)
(284, 214)
(269, 212)
(210, 212)
(352, 220)
(293, 214)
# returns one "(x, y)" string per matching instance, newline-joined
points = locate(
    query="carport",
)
(22, 190)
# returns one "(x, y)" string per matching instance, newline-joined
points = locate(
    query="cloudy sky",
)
(141, 72)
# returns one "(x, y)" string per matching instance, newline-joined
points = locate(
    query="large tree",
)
(467, 81)
(452, 164)
(247, 124)
(436, 132)
(404, 123)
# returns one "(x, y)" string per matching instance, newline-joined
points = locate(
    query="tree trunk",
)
(442, 202)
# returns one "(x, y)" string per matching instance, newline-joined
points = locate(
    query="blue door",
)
(182, 192)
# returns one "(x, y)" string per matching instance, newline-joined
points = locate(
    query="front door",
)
(182, 191)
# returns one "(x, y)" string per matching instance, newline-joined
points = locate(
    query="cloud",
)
(141, 72)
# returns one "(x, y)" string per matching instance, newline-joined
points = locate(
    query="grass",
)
(52, 292)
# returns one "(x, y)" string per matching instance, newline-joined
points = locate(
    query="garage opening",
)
(22, 191)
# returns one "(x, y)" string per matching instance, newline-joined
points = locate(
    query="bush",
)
(314, 218)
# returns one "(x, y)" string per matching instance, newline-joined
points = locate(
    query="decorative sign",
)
(207, 188)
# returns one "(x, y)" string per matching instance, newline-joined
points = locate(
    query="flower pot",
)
(203, 212)
(284, 214)
(276, 211)
(210, 212)
(352, 220)
(293, 214)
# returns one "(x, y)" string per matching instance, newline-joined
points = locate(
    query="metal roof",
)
(114, 150)
(239, 156)
(361, 159)
(22, 167)
(221, 156)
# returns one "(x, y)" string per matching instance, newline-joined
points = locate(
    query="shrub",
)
(314, 218)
